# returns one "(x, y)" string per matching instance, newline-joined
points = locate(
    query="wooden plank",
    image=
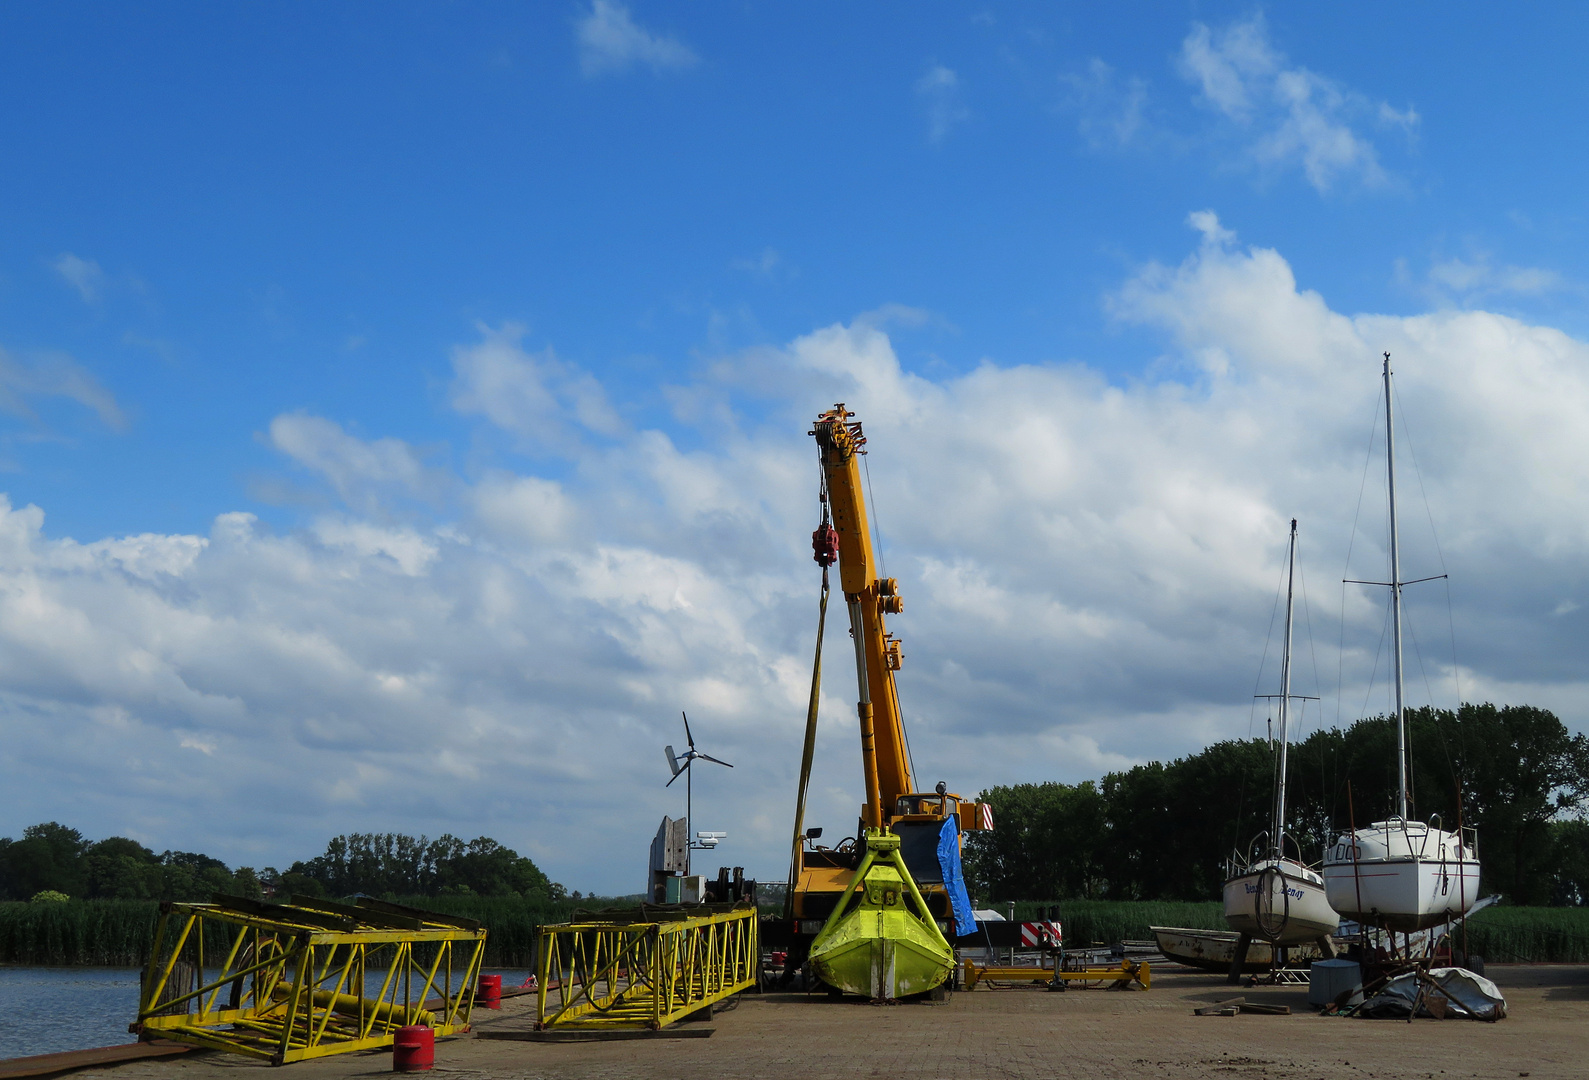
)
(1266, 1010)
(1219, 1008)
(51, 1064)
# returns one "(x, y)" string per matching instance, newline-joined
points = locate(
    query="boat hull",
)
(1402, 894)
(1279, 902)
(1402, 875)
(1215, 950)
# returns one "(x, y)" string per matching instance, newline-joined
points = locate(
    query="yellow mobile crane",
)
(870, 913)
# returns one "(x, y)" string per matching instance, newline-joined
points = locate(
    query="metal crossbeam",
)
(1118, 978)
(297, 977)
(634, 971)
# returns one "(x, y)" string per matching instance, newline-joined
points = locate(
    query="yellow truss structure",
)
(644, 968)
(286, 982)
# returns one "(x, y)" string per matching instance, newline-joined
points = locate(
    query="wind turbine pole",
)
(689, 812)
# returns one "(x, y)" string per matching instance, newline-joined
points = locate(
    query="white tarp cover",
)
(1461, 993)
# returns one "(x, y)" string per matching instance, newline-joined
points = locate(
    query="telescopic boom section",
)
(869, 598)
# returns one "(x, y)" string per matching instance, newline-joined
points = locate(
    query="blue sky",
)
(389, 280)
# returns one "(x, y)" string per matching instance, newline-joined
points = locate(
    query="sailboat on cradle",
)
(1400, 874)
(1268, 894)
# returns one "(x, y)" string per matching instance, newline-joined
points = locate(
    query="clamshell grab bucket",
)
(881, 942)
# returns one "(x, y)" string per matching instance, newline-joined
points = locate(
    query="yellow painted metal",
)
(1129, 972)
(645, 968)
(296, 978)
(881, 941)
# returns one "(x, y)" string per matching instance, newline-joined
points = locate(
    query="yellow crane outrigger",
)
(877, 907)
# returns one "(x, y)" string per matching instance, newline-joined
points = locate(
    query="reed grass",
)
(1530, 935)
(102, 933)
(1104, 922)
(120, 933)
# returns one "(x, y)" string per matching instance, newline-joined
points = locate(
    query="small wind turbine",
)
(681, 764)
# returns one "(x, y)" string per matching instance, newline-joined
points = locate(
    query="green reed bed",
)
(120, 933)
(1530, 935)
(104, 933)
(1104, 922)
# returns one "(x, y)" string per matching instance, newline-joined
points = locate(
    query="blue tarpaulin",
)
(954, 882)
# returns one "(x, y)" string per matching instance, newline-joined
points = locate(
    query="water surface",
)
(49, 1009)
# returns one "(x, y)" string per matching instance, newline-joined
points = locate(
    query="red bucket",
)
(489, 995)
(414, 1049)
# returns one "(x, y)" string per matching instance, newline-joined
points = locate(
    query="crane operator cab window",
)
(936, 805)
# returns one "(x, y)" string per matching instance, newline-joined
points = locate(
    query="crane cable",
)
(809, 750)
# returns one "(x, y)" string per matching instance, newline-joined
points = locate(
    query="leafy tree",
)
(1047, 843)
(121, 869)
(48, 857)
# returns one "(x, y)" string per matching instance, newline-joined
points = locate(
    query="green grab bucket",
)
(874, 944)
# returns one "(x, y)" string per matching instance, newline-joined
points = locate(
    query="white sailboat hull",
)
(1280, 902)
(1401, 876)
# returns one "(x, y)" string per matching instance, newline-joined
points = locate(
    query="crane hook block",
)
(825, 545)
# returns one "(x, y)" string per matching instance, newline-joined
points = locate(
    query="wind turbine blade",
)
(709, 757)
(673, 762)
(687, 734)
(678, 774)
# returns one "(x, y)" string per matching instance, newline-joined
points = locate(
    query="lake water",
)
(50, 1009)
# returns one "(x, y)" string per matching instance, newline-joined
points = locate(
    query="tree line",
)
(1164, 831)
(52, 861)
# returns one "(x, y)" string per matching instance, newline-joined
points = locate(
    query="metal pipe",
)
(1277, 828)
(873, 815)
(1395, 598)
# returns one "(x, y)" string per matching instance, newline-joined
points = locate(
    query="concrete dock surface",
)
(1017, 1033)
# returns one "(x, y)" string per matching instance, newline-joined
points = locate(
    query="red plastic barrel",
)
(414, 1049)
(490, 993)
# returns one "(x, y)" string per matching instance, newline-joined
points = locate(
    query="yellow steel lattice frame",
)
(286, 982)
(646, 973)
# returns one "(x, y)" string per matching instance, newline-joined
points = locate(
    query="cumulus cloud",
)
(356, 468)
(84, 275)
(939, 92)
(1287, 115)
(537, 396)
(611, 41)
(1088, 568)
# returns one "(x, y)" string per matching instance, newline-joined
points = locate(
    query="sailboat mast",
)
(1277, 829)
(1395, 599)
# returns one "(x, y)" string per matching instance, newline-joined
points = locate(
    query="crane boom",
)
(868, 597)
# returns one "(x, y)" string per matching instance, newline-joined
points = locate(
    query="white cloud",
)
(54, 374)
(1088, 569)
(353, 466)
(538, 396)
(1288, 116)
(84, 275)
(939, 91)
(1109, 110)
(1479, 277)
(611, 41)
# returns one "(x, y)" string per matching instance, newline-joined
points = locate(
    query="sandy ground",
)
(1021, 1033)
